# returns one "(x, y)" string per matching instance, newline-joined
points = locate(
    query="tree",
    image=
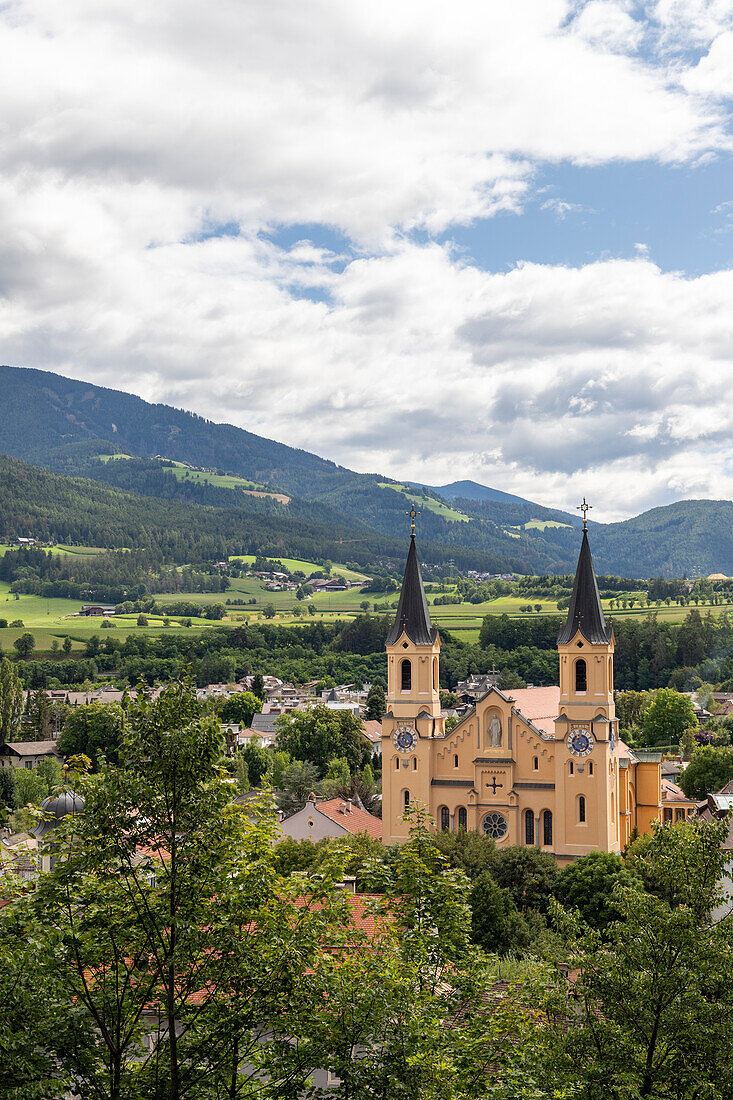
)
(142, 620)
(496, 924)
(25, 644)
(66, 645)
(528, 874)
(630, 706)
(269, 611)
(709, 770)
(669, 714)
(92, 729)
(651, 1013)
(258, 761)
(589, 885)
(258, 685)
(164, 904)
(29, 787)
(240, 708)
(376, 704)
(319, 734)
(11, 701)
(299, 779)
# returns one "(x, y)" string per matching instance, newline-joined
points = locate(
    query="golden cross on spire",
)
(584, 508)
(412, 513)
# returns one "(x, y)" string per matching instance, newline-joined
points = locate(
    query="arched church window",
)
(528, 827)
(406, 675)
(590, 767)
(547, 827)
(455, 760)
(536, 763)
(581, 809)
(462, 818)
(406, 798)
(444, 819)
(581, 675)
(571, 767)
(435, 673)
(396, 763)
(414, 763)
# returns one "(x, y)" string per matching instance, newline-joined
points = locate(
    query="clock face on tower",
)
(580, 741)
(404, 739)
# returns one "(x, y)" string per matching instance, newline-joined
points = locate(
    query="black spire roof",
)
(585, 613)
(413, 616)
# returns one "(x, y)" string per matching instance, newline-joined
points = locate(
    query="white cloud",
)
(131, 131)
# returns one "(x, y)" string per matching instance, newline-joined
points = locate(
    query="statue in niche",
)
(495, 733)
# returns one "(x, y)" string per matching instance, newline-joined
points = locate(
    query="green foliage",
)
(376, 703)
(709, 769)
(684, 864)
(258, 761)
(652, 1008)
(528, 874)
(590, 884)
(496, 923)
(29, 787)
(25, 644)
(319, 735)
(667, 716)
(11, 701)
(630, 705)
(240, 708)
(299, 779)
(92, 729)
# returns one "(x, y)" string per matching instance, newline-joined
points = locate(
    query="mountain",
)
(278, 498)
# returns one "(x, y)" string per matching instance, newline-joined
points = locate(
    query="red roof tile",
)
(350, 817)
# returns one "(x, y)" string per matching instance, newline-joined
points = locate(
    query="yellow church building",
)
(538, 766)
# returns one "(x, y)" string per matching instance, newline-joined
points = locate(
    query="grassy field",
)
(540, 524)
(52, 620)
(184, 472)
(430, 503)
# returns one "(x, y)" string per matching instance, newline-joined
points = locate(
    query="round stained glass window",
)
(495, 826)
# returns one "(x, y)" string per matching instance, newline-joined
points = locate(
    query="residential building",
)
(332, 817)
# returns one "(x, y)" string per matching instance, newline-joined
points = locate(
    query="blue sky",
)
(487, 241)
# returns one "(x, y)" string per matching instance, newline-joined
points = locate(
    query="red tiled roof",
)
(672, 793)
(372, 729)
(350, 817)
(536, 703)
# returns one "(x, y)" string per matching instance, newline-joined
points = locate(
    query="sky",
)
(436, 241)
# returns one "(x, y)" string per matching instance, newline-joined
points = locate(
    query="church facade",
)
(537, 766)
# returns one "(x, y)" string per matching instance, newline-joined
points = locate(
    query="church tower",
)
(586, 763)
(413, 702)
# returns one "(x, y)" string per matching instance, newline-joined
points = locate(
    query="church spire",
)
(413, 616)
(585, 613)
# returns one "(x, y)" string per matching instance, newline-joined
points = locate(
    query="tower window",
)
(581, 809)
(462, 818)
(406, 798)
(414, 763)
(590, 767)
(572, 768)
(536, 763)
(396, 763)
(406, 675)
(547, 827)
(528, 827)
(581, 675)
(455, 761)
(435, 673)
(444, 819)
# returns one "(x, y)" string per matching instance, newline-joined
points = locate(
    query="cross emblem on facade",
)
(412, 513)
(494, 785)
(585, 508)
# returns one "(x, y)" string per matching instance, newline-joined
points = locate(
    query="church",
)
(541, 766)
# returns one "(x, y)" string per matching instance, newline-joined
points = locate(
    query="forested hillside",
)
(74, 427)
(49, 507)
